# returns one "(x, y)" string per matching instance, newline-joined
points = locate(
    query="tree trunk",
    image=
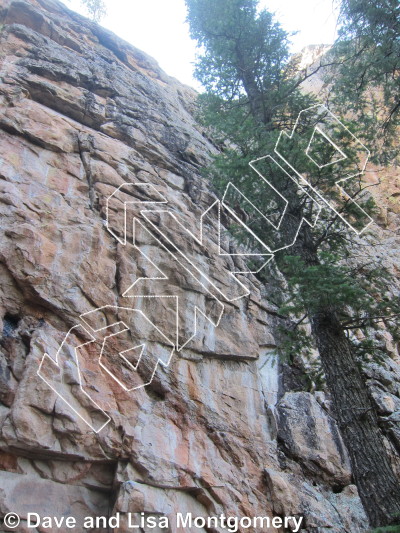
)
(255, 99)
(378, 486)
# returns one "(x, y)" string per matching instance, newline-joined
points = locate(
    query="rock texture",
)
(220, 429)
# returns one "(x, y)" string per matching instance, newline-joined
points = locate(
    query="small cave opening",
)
(10, 324)
(337, 489)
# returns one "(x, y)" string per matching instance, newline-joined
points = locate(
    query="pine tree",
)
(366, 79)
(252, 93)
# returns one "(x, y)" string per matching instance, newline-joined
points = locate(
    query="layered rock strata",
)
(222, 429)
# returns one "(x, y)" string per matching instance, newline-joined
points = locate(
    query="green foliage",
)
(327, 285)
(233, 35)
(389, 529)
(332, 284)
(244, 59)
(366, 79)
(251, 96)
(358, 295)
(294, 341)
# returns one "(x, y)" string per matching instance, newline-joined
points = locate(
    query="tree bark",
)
(378, 487)
(255, 99)
(377, 484)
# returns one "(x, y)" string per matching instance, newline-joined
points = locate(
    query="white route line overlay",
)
(324, 109)
(47, 358)
(95, 408)
(166, 340)
(277, 227)
(200, 240)
(114, 197)
(175, 344)
(164, 277)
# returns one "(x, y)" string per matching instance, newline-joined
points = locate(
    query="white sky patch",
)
(158, 28)
(314, 20)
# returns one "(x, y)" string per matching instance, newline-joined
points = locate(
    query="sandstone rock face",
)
(217, 430)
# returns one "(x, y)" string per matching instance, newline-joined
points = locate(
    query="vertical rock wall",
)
(83, 113)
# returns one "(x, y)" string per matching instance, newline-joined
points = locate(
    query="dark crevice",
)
(86, 149)
(10, 324)
(26, 340)
(118, 280)
(337, 489)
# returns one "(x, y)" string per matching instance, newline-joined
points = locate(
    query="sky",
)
(158, 28)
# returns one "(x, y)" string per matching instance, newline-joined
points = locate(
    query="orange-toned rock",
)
(219, 430)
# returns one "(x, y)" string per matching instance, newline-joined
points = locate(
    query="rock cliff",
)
(91, 129)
